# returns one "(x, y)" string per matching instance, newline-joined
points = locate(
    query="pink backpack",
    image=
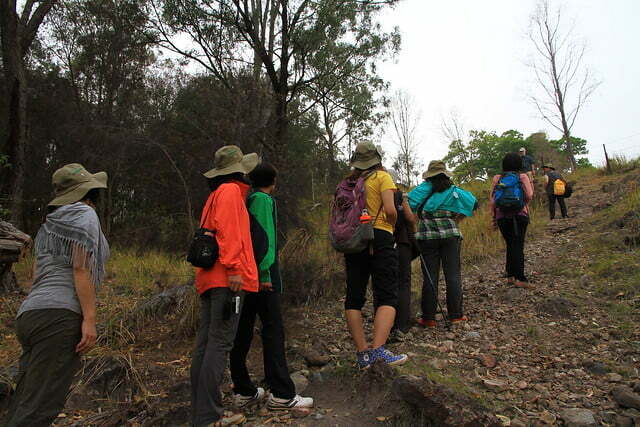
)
(347, 234)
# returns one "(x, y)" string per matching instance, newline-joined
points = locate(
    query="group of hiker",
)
(379, 226)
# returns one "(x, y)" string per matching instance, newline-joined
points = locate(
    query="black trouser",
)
(381, 266)
(218, 324)
(403, 310)
(514, 231)
(266, 305)
(445, 252)
(552, 206)
(403, 314)
(47, 366)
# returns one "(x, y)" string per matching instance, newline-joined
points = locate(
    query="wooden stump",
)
(13, 245)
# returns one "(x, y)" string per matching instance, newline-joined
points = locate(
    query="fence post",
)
(606, 157)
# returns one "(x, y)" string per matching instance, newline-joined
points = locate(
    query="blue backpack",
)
(508, 195)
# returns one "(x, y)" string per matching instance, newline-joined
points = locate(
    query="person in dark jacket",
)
(550, 177)
(265, 304)
(405, 247)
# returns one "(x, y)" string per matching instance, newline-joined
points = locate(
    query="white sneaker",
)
(240, 401)
(275, 403)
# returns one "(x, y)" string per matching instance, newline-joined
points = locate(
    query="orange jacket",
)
(226, 213)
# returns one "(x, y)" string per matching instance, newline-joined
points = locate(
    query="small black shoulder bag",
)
(204, 249)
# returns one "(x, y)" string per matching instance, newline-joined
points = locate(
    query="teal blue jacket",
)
(454, 199)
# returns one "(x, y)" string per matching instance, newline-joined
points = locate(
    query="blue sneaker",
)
(364, 359)
(387, 357)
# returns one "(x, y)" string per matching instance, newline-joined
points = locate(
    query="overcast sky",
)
(471, 56)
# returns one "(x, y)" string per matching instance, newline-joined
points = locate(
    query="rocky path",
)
(562, 353)
(549, 355)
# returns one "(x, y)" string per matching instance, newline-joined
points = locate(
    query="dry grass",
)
(481, 240)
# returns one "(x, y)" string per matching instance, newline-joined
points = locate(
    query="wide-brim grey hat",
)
(366, 156)
(436, 167)
(72, 182)
(230, 159)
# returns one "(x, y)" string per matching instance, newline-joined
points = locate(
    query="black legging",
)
(514, 231)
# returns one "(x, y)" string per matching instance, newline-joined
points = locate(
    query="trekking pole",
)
(435, 292)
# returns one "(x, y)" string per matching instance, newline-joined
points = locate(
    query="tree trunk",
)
(14, 145)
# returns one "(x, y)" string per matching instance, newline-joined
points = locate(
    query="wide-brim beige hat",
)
(365, 156)
(230, 159)
(72, 182)
(436, 167)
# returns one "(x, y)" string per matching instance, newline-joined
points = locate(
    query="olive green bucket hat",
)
(366, 156)
(229, 159)
(436, 167)
(548, 165)
(72, 182)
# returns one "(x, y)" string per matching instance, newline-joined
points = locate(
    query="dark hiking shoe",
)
(277, 404)
(396, 336)
(240, 401)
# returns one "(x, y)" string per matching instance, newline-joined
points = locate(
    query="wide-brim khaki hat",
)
(436, 167)
(548, 165)
(72, 182)
(230, 159)
(365, 156)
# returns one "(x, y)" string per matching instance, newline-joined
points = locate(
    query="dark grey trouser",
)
(552, 206)
(265, 304)
(403, 315)
(47, 366)
(445, 252)
(217, 331)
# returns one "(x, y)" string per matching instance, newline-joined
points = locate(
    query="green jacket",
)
(263, 208)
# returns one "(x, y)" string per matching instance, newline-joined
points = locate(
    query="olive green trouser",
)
(47, 366)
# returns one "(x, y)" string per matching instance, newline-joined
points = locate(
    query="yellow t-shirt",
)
(378, 182)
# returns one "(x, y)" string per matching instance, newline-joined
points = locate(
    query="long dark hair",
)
(357, 173)
(440, 183)
(92, 196)
(217, 181)
(512, 162)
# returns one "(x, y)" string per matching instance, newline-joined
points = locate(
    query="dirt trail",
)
(528, 354)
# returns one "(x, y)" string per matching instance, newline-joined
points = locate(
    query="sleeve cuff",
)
(265, 277)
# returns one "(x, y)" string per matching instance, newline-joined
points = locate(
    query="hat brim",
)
(246, 165)
(366, 164)
(548, 167)
(98, 180)
(431, 174)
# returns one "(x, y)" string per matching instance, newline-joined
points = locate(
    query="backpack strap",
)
(206, 215)
(422, 205)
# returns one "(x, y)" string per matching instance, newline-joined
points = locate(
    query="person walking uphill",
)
(372, 255)
(222, 286)
(440, 205)
(57, 321)
(511, 194)
(266, 304)
(554, 185)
